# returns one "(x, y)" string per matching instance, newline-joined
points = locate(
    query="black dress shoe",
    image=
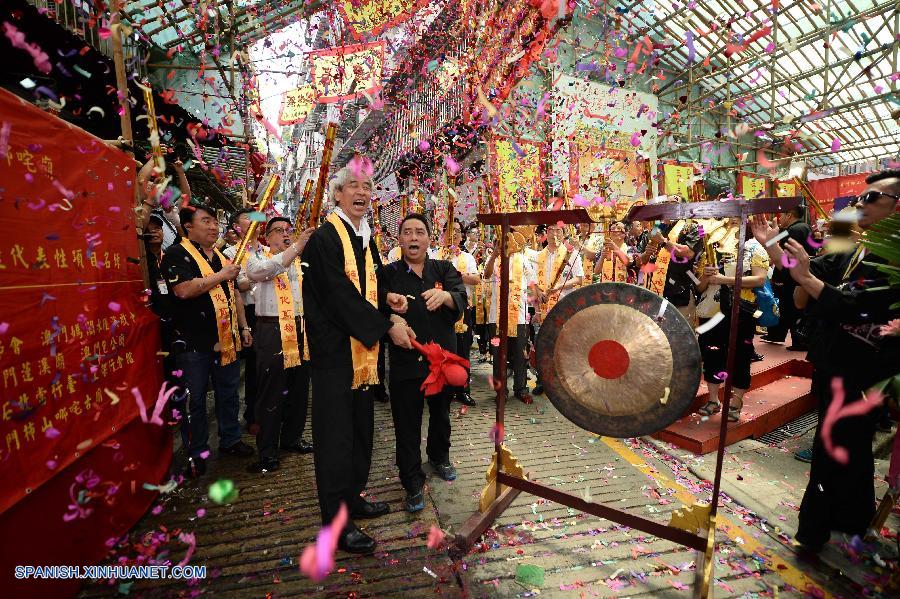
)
(538, 389)
(381, 394)
(768, 339)
(195, 468)
(465, 399)
(356, 541)
(300, 446)
(264, 465)
(240, 449)
(370, 509)
(798, 348)
(756, 358)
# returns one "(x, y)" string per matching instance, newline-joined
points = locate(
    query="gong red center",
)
(609, 359)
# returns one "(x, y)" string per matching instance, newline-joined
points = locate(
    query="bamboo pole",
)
(254, 225)
(304, 207)
(121, 77)
(316, 209)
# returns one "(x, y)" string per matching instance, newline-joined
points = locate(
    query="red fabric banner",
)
(76, 342)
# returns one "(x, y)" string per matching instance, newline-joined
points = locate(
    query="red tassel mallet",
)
(445, 368)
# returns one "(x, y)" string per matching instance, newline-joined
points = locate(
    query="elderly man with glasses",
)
(283, 375)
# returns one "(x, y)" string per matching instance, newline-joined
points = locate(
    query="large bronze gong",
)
(613, 365)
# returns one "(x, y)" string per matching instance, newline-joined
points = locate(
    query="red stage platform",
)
(779, 392)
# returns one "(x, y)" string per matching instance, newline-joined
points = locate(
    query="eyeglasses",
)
(280, 230)
(870, 197)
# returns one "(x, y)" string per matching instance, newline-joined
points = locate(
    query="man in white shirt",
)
(465, 263)
(517, 328)
(559, 272)
(283, 387)
(238, 223)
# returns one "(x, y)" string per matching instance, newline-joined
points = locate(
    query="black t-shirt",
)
(194, 318)
(679, 286)
(438, 326)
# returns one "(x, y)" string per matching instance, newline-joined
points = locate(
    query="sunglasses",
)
(870, 197)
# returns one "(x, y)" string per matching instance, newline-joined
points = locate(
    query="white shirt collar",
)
(364, 230)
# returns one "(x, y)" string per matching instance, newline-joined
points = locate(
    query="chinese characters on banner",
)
(372, 17)
(678, 179)
(785, 189)
(752, 186)
(604, 172)
(76, 339)
(346, 72)
(516, 168)
(296, 105)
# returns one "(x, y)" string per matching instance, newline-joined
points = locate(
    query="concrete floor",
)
(251, 546)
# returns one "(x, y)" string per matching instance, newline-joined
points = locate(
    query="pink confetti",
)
(204, 454)
(451, 165)
(787, 261)
(17, 39)
(4, 326)
(5, 130)
(51, 464)
(51, 433)
(361, 167)
(636, 139)
(317, 561)
(114, 306)
(837, 410)
(435, 537)
(835, 144)
(497, 434)
(201, 512)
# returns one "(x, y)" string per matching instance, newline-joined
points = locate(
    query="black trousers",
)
(516, 355)
(343, 427)
(789, 316)
(839, 496)
(282, 393)
(714, 349)
(407, 403)
(249, 356)
(464, 345)
(481, 330)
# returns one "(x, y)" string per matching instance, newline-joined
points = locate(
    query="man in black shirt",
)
(341, 297)
(440, 299)
(852, 302)
(783, 284)
(207, 315)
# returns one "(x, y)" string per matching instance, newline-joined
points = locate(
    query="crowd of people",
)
(327, 313)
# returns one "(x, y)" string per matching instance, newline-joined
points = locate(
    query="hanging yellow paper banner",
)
(296, 105)
(347, 72)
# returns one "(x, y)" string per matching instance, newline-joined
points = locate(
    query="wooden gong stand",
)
(704, 544)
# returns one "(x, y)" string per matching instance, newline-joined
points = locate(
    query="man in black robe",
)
(853, 303)
(440, 299)
(343, 416)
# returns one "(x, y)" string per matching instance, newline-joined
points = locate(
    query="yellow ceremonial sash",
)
(613, 270)
(515, 295)
(482, 302)
(226, 311)
(365, 360)
(658, 278)
(548, 279)
(287, 323)
(461, 326)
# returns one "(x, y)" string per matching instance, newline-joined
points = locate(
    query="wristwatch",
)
(248, 329)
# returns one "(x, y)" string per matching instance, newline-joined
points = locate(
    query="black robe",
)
(333, 309)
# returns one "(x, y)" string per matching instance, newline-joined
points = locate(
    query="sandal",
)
(709, 408)
(734, 413)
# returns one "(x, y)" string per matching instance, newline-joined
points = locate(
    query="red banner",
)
(77, 345)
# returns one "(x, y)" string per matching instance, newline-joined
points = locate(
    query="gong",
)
(615, 365)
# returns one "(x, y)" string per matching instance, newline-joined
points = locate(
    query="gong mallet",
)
(445, 367)
(254, 224)
(330, 134)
